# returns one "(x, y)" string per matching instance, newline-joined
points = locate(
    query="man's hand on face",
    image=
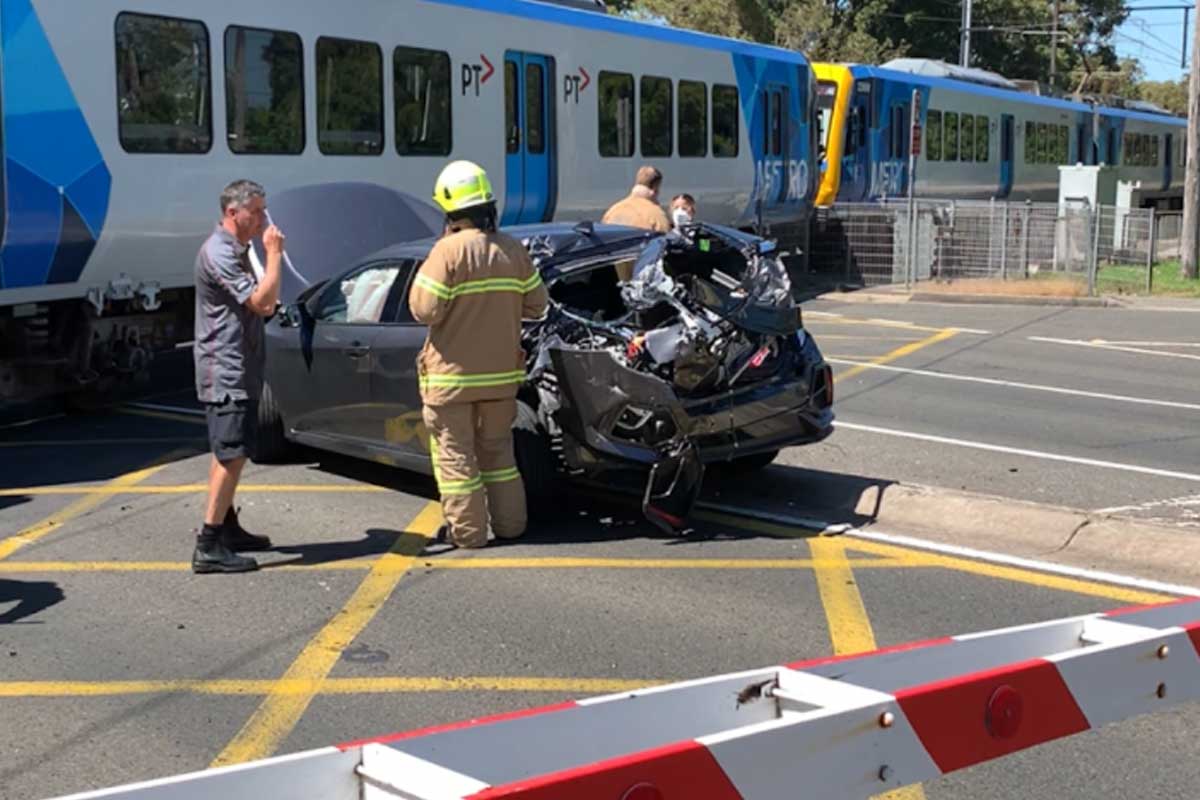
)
(273, 239)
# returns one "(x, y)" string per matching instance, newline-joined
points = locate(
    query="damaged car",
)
(700, 357)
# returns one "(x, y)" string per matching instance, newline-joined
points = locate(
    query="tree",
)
(1171, 95)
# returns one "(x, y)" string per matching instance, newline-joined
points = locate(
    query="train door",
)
(1168, 161)
(1007, 132)
(856, 156)
(531, 175)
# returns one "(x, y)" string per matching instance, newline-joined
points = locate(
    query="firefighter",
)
(639, 210)
(473, 291)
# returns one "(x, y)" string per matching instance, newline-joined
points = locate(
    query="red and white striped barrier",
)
(847, 727)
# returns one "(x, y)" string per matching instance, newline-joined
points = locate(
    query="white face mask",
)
(681, 217)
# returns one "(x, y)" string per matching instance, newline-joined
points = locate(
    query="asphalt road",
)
(117, 664)
(1125, 391)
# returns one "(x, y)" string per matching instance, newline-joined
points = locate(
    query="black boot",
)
(237, 538)
(213, 555)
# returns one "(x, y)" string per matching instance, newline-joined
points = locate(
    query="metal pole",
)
(1004, 242)
(1191, 187)
(1025, 239)
(1183, 47)
(1094, 257)
(914, 146)
(991, 235)
(1054, 44)
(1150, 252)
(965, 47)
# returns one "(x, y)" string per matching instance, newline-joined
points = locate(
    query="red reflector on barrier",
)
(1004, 712)
(642, 791)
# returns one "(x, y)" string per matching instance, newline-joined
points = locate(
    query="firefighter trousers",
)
(471, 445)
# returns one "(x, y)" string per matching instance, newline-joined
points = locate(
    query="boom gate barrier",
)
(841, 727)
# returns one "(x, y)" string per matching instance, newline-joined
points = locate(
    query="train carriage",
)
(982, 138)
(121, 122)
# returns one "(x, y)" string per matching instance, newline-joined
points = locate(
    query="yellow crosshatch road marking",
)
(471, 564)
(281, 710)
(900, 352)
(302, 687)
(105, 442)
(83, 505)
(849, 627)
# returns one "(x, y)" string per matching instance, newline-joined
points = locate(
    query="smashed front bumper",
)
(614, 417)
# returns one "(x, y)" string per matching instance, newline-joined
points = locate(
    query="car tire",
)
(538, 467)
(753, 463)
(272, 446)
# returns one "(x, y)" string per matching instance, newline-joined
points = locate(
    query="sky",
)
(1155, 38)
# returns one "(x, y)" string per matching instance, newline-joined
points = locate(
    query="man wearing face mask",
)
(683, 210)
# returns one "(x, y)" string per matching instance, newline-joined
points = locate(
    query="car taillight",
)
(827, 375)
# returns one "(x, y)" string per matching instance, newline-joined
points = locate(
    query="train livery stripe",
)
(58, 185)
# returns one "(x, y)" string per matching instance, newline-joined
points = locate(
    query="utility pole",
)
(964, 49)
(1054, 44)
(1191, 186)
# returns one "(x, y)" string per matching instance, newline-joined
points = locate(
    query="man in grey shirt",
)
(231, 304)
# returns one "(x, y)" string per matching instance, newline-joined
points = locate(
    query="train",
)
(119, 125)
(982, 137)
(122, 123)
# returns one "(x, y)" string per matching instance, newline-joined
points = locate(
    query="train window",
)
(1154, 148)
(615, 99)
(264, 91)
(1045, 146)
(897, 138)
(966, 139)
(1030, 143)
(421, 80)
(776, 122)
(164, 97)
(933, 136)
(349, 97)
(950, 136)
(657, 103)
(1064, 144)
(983, 149)
(693, 118)
(535, 112)
(725, 121)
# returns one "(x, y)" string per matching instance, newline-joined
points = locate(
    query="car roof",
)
(559, 237)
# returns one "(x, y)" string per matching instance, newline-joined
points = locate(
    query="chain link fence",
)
(1097, 248)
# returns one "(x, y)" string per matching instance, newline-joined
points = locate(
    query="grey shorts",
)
(232, 428)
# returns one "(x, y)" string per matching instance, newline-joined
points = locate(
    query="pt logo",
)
(475, 75)
(573, 85)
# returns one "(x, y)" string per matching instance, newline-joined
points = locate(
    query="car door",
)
(394, 415)
(332, 396)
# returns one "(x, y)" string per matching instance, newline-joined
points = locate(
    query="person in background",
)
(640, 209)
(683, 210)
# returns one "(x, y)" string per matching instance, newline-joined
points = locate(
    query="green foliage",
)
(1009, 35)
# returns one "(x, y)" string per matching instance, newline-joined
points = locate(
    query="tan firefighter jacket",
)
(473, 291)
(637, 212)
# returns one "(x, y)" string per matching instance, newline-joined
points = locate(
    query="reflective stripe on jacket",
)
(473, 291)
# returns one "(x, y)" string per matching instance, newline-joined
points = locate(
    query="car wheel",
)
(538, 466)
(272, 445)
(753, 463)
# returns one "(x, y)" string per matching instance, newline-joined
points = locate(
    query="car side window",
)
(358, 297)
(396, 310)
